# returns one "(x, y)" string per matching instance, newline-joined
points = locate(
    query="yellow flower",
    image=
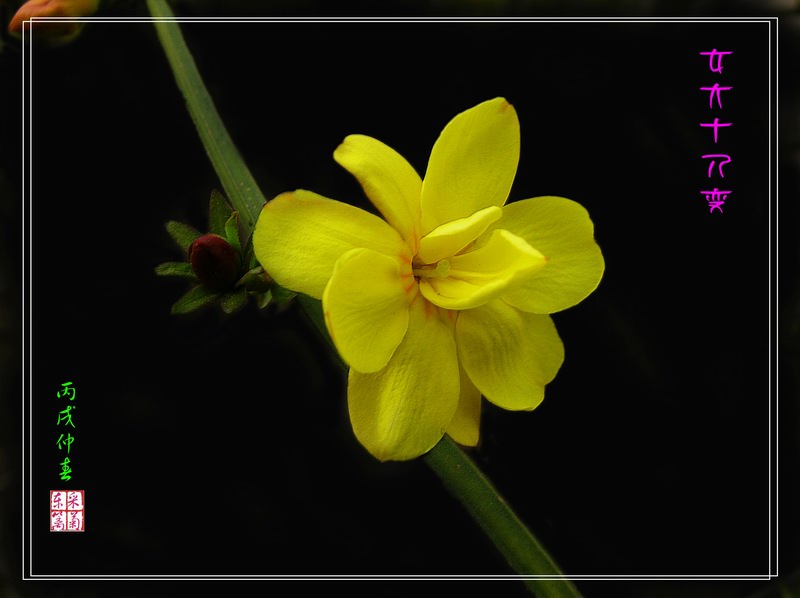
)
(446, 298)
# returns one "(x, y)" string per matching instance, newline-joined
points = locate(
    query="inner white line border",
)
(27, 319)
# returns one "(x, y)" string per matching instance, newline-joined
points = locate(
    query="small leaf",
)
(263, 299)
(282, 295)
(234, 301)
(194, 299)
(183, 269)
(249, 258)
(182, 234)
(254, 280)
(219, 210)
(232, 232)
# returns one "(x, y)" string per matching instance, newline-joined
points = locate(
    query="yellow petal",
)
(300, 235)
(451, 237)
(390, 182)
(509, 354)
(561, 230)
(472, 164)
(477, 276)
(465, 426)
(403, 410)
(366, 308)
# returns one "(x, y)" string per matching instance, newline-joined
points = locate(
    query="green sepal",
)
(254, 280)
(263, 299)
(194, 299)
(183, 269)
(282, 295)
(219, 210)
(249, 258)
(182, 234)
(232, 232)
(234, 301)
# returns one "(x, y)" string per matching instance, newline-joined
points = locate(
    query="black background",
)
(209, 444)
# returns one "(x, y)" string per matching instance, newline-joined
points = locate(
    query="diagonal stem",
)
(521, 549)
(239, 184)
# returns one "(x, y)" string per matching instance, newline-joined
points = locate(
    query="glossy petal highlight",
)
(366, 308)
(561, 229)
(509, 354)
(472, 164)
(402, 411)
(300, 235)
(390, 182)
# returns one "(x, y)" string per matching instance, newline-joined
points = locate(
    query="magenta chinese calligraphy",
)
(716, 197)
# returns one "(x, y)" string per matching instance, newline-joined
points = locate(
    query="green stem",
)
(240, 186)
(458, 472)
(517, 544)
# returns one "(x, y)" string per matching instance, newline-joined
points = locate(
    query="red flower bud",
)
(55, 32)
(214, 261)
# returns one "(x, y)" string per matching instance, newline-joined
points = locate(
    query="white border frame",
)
(27, 321)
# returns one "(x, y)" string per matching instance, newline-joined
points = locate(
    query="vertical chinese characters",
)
(64, 442)
(716, 197)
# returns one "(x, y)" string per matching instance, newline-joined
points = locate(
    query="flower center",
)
(440, 270)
